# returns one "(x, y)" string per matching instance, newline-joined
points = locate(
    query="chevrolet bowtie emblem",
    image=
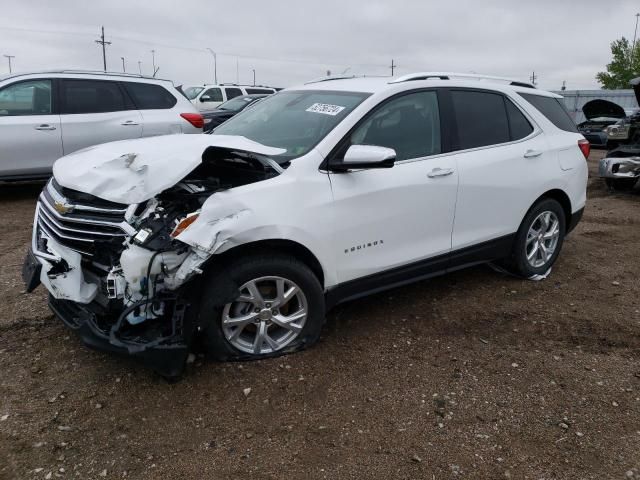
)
(62, 207)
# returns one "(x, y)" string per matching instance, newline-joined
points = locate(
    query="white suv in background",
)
(208, 97)
(44, 116)
(241, 240)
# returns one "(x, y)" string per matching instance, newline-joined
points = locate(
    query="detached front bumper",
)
(166, 359)
(624, 167)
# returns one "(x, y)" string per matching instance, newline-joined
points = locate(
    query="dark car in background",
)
(228, 109)
(600, 114)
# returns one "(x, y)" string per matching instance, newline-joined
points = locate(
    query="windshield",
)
(235, 104)
(293, 120)
(192, 92)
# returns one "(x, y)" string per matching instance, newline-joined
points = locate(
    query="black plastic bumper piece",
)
(575, 219)
(31, 269)
(167, 360)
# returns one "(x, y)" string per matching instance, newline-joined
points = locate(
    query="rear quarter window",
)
(150, 97)
(553, 109)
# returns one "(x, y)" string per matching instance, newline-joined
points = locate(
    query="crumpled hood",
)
(132, 171)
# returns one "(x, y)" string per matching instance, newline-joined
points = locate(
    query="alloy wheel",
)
(269, 314)
(542, 239)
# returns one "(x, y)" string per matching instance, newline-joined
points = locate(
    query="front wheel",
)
(539, 239)
(277, 306)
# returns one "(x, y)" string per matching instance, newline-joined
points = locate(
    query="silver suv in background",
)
(46, 115)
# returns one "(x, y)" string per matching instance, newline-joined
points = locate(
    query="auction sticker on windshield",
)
(325, 109)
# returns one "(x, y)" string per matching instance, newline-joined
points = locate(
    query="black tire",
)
(235, 274)
(518, 263)
(621, 184)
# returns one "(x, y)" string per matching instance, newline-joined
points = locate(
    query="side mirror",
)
(205, 98)
(365, 157)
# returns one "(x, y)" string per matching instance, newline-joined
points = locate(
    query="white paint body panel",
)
(18, 135)
(407, 214)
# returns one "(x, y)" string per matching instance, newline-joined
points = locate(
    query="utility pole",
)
(254, 76)
(533, 78)
(215, 66)
(393, 67)
(140, 67)
(124, 70)
(237, 71)
(9, 57)
(104, 50)
(153, 60)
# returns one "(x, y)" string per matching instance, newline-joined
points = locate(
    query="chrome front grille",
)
(79, 221)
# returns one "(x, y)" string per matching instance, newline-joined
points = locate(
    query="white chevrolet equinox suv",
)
(46, 115)
(239, 242)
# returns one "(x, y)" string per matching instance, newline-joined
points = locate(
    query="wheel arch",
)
(270, 246)
(562, 198)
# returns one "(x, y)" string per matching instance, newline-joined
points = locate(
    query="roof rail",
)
(88, 72)
(329, 78)
(448, 75)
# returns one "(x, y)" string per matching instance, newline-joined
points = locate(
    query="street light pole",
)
(140, 67)
(153, 59)
(124, 70)
(215, 66)
(254, 76)
(9, 57)
(635, 34)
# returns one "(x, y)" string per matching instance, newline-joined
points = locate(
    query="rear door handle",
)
(440, 172)
(45, 126)
(532, 153)
(129, 123)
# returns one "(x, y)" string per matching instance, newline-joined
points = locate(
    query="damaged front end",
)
(118, 273)
(620, 167)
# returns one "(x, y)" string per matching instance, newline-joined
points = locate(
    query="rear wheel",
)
(277, 306)
(539, 239)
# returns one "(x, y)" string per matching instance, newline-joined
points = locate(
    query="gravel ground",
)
(473, 375)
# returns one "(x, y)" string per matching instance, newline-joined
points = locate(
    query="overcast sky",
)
(289, 42)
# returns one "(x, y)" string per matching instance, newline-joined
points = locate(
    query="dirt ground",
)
(473, 375)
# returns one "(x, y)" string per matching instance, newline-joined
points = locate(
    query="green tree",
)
(624, 66)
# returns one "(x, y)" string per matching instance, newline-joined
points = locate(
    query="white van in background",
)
(207, 97)
(46, 115)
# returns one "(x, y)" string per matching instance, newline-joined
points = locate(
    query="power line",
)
(104, 50)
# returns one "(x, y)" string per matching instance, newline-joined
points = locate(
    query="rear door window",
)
(91, 96)
(32, 97)
(553, 109)
(519, 126)
(212, 95)
(255, 91)
(149, 97)
(233, 93)
(481, 119)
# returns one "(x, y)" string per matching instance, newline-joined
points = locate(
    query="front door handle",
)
(532, 153)
(440, 172)
(129, 123)
(45, 126)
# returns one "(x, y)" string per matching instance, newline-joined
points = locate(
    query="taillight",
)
(585, 147)
(194, 119)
